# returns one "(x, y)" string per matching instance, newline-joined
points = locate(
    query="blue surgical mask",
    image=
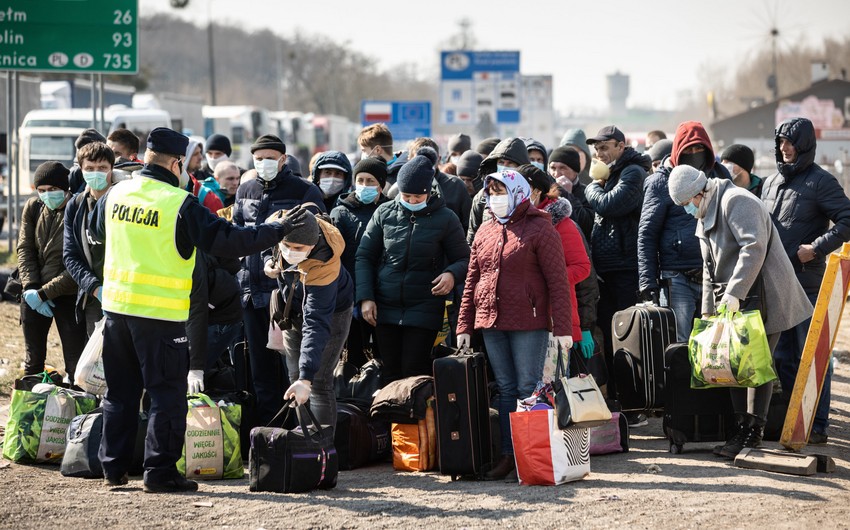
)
(392, 160)
(366, 194)
(539, 165)
(502, 168)
(413, 207)
(52, 199)
(691, 209)
(95, 179)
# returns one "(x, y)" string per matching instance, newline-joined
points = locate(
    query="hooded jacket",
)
(802, 199)
(351, 218)
(617, 203)
(512, 149)
(256, 200)
(335, 158)
(399, 256)
(575, 255)
(666, 232)
(322, 287)
(577, 138)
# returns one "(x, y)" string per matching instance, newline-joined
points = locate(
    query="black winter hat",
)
(52, 173)
(486, 146)
(660, 149)
(306, 234)
(468, 164)
(375, 167)
(268, 141)
(430, 153)
(537, 179)
(219, 142)
(741, 155)
(416, 175)
(87, 137)
(567, 156)
(459, 143)
(168, 142)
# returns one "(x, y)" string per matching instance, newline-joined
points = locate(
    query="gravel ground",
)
(645, 488)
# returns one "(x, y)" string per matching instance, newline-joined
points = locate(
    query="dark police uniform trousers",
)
(143, 353)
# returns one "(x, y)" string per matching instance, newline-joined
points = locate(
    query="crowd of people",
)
(506, 244)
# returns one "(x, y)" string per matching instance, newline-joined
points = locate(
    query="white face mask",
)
(731, 169)
(499, 205)
(454, 159)
(266, 169)
(212, 162)
(331, 185)
(293, 257)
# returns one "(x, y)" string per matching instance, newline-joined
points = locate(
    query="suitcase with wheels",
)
(640, 335)
(690, 415)
(463, 414)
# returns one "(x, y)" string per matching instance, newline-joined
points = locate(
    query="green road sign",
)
(94, 36)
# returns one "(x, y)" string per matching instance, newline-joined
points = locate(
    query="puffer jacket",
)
(40, 241)
(456, 196)
(516, 277)
(575, 255)
(802, 199)
(617, 203)
(400, 255)
(338, 159)
(256, 200)
(351, 218)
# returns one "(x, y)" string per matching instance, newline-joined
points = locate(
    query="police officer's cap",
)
(168, 142)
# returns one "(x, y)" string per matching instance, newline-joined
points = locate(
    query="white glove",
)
(463, 340)
(271, 270)
(732, 303)
(195, 381)
(566, 342)
(300, 390)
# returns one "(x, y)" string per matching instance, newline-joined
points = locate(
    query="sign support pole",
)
(9, 160)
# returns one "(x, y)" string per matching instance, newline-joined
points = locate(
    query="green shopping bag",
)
(730, 350)
(212, 449)
(38, 423)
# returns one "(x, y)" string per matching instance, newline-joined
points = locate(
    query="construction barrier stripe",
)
(817, 351)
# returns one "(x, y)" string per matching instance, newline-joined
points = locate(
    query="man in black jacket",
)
(803, 199)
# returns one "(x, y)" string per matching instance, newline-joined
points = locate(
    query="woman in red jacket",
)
(545, 196)
(515, 293)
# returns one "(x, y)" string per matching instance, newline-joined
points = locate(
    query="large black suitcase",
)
(690, 415)
(463, 414)
(640, 335)
(358, 439)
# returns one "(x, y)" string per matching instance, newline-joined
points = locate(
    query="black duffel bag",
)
(359, 440)
(296, 460)
(81, 458)
(357, 386)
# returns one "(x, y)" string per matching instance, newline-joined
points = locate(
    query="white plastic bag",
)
(89, 374)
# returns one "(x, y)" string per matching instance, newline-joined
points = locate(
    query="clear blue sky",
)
(662, 44)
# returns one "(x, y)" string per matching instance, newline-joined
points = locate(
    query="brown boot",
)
(502, 468)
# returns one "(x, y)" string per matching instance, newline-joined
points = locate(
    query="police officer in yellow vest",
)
(151, 228)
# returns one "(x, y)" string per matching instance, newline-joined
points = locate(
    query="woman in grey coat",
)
(738, 241)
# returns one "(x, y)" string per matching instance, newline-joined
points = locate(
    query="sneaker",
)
(114, 482)
(818, 438)
(175, 485)
(636, 420)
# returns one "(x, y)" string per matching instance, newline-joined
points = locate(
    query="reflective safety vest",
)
(143, 273)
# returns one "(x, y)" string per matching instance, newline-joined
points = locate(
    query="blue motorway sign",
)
(406, 119)
(480, 86)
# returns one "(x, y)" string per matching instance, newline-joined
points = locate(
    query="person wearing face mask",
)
(218, 149)
(517, 291)
(319, 295)
(668, 250)
(450, 187)
(151, 227)
(467, 171)
(508, 153)
(82, 254)
(576, 139)
(75, 179)
(332, 174)
(191, 165)
(411, 256)
(376, 141)
(351, 218)
(738, 159)
(742, 256)
(457, 145)
(274, 189)
(49, 292)
(536, 153)
(565, 167)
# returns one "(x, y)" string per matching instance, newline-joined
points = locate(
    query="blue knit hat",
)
(416, 174)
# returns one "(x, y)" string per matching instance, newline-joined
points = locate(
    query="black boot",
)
(501, 470)
(756, 432)
(731, 448)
